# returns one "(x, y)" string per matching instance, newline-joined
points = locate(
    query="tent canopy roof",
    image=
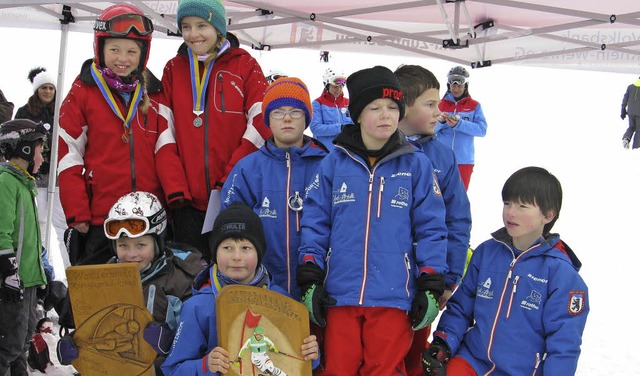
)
(587, 34)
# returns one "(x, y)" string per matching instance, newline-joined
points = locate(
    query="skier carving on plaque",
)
(258, 344)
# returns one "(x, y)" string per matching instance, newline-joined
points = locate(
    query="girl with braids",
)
(111, 138)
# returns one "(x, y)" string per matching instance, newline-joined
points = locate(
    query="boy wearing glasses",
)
(271, 180)
(461, 120)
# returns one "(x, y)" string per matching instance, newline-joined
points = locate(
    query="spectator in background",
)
(6, 108)
(631, 107)
(461, 120)
(40, 107)
(330, 110)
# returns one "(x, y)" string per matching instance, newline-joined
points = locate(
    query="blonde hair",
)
(216, 49)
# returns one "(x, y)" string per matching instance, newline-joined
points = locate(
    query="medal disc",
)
(197, 122)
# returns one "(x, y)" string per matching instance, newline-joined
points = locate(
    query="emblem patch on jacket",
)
(436, 186)
(576, 302)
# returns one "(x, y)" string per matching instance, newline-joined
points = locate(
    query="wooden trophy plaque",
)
(110, 316)
(267, 325)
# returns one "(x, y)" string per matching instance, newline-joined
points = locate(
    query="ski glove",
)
(623, 114)
(67, 350)
(11, 288)
(159, 336)
(435, 357)
(424, 308)
(310, 278)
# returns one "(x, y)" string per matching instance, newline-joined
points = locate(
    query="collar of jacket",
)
(310, 148)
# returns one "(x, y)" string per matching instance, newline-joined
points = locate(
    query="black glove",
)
(623, 114)
(435, 357)
(425, 308)
(11, 288)
(310, 279)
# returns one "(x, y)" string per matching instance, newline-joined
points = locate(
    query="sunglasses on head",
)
(457, 80)
(122, 25)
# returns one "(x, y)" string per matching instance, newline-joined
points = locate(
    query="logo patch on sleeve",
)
(576, 302)
(436, 186)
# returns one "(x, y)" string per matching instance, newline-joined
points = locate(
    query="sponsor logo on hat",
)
(234, 227)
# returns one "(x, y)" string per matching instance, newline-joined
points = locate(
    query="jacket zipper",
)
(288, 243)
(539, 361)
(380, 196)
(132, 158)
(366, 238)
(407, 263)
(327, 267)
(513, 294)
(220, 78)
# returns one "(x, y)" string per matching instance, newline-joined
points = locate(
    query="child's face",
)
(46, 93)
(335, 90)
(288, 131)
(422, 116)
(121, 55)
(378, 121)
(199, 35)
(37, 158)
(237, 259)
(524, 222)
(139, 250)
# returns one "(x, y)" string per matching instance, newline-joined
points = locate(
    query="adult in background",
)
(631, 107)
(461, 120)
(40, 108)
(330, 110)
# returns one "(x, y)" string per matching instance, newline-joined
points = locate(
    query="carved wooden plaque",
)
(110, 317)
(264, 329)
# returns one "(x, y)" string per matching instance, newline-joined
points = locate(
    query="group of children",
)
(372, 236)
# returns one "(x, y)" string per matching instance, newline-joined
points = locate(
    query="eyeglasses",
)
(122, 25)
(457, 80)
(279, 114)
(131, 227)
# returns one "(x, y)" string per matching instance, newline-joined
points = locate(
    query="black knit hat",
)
(238, 221)
(369, 84)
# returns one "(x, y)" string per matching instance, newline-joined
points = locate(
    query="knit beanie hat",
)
(39, 76)
(369, 84)
(287, 91)
(238, 221)
(211, 11)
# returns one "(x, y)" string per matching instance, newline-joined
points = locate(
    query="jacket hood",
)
(152, 83)
(8, 168)
(310, 148)
(551, 246)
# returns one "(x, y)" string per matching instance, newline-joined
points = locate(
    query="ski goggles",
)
(457, 80)
(131, 227)
(122, 25)
(339, 81)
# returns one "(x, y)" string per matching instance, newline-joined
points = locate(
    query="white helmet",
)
(333, 77)
(274, 74)
(136, 214)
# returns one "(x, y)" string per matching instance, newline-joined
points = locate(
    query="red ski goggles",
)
(122, 25)
(132, 227)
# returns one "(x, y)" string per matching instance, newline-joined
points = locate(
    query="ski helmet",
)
(136, 214)
(18, 138)
(122, 21)
(457, 76)
(333, 77)
(274, 74)
(258, 330)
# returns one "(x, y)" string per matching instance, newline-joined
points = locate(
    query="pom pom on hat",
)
(238, 221)
(287, 91)
(211, 11)
(369, 84)
(39, 76)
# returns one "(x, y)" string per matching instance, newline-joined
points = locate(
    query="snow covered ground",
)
(564, 120)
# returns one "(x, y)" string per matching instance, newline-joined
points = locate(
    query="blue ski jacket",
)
(267, 180)
(456, 202)
(361, 223)
(529, 308)
(472, 124)
(330, 114)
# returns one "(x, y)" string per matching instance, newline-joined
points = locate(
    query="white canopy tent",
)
(588, 34)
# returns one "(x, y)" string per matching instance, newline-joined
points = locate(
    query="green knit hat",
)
(211, 11)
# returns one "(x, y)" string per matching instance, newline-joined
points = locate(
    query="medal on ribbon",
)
(108, 96)
(198, 86)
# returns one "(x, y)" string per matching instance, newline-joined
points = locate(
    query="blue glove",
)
(11, 288)
(435, 357)
(66, 350)
(159, 336)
